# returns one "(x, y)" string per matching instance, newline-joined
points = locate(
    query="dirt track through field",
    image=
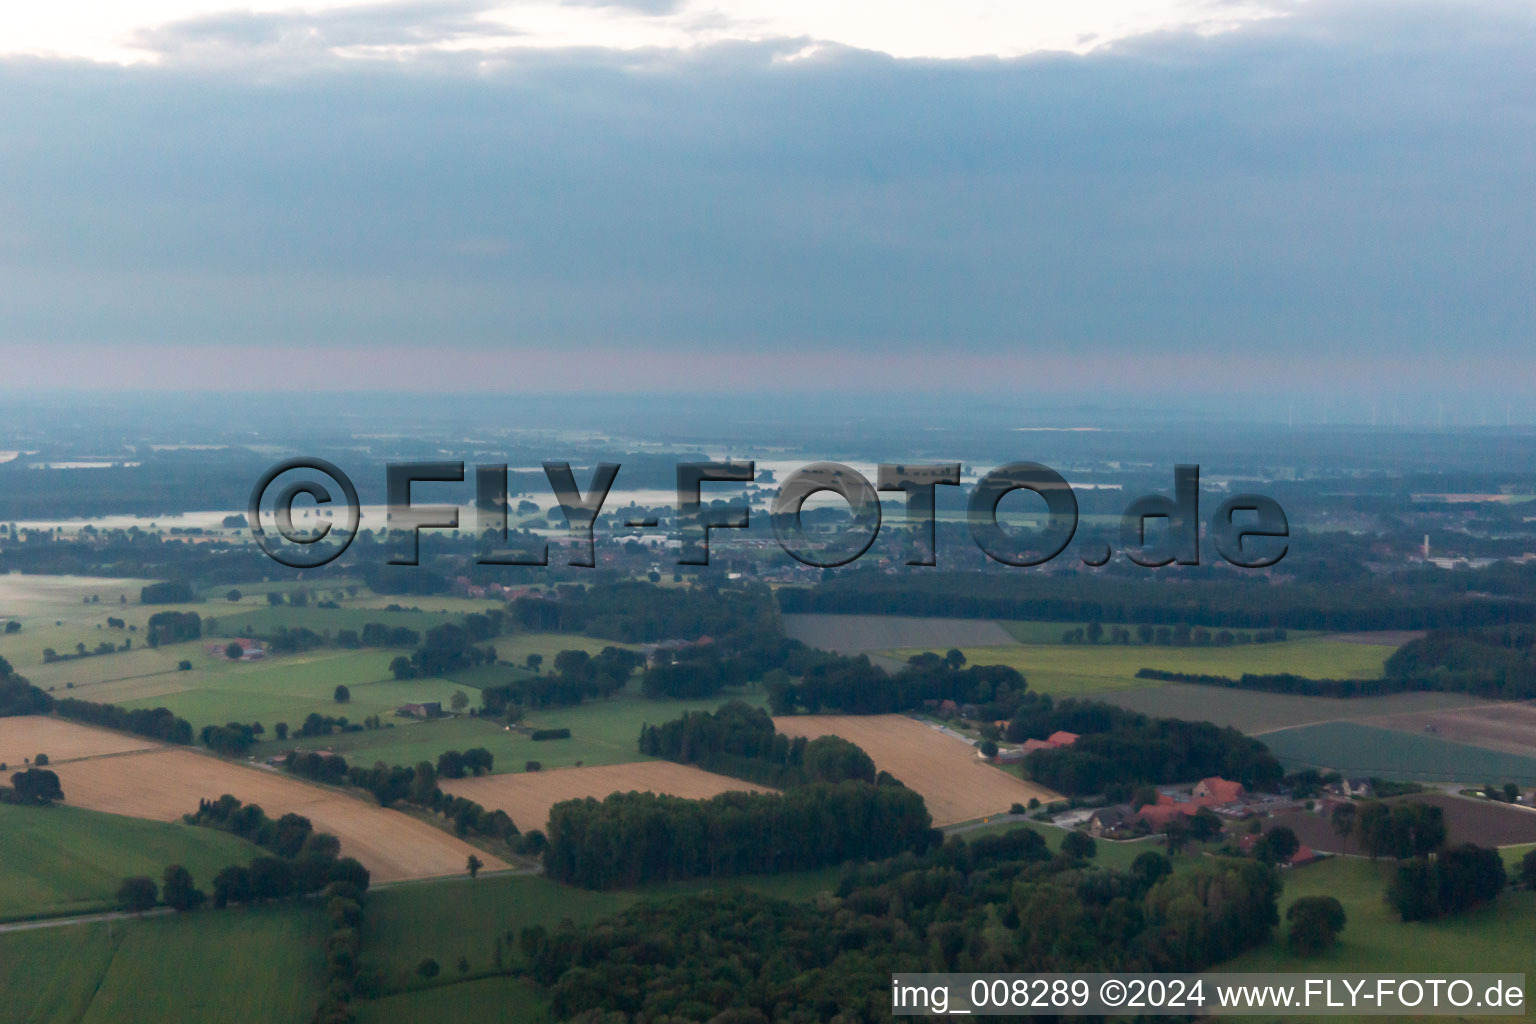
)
(954, 783)
(528, 796)
(163, 783)
(29, 735)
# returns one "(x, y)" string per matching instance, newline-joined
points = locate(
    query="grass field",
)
(499, 998)
(284, 689)
(602, 731)
(53, 613)
(1497, 938)
(1367, 750)
(211, 967)
(1067, 670)
(65, 860)
(250, 618)
(449, 919)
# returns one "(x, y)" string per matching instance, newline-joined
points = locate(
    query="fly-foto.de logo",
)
(1247, 530)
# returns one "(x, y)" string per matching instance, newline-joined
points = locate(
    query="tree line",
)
(636, 612)
(852, 685)
(417, 786)
(1119, 750)
(577, 676)
(740, 741)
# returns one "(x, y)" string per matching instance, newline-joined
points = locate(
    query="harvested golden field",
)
(27, 736)
(528, 796)
(954, 783)
(164, 783)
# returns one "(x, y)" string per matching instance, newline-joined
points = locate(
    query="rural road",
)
(60, 922)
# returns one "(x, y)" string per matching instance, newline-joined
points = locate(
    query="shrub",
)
(551, 734)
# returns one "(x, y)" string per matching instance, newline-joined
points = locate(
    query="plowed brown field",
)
(954, 783)
(528, 796)
(1507, 727)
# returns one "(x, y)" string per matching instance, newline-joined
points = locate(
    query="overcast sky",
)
(1181, 197)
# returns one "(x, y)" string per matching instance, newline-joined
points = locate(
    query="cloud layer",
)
(1347, 184)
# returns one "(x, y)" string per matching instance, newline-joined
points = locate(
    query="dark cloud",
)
(1337, 183)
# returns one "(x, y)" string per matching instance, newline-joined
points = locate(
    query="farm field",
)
(459, 917)
(164, 784)
(498, 998)
(211, 967)
(1467, 820)
(67, 860)
(608, 731)
(1069, 670)
(954, 783)
(1509, 727)
(1496, 938)
(249, 618)
(53, 612)
(1357, 749)
(27, 736)
(602, 731)
(283, 689)
(1256, 713)
(528, 796)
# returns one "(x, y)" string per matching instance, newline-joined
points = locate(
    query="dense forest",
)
(996, 903)
(634, 612)
(631, 838)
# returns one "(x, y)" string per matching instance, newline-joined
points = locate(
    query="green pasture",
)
(1496, 938)
(1068, 670)
(1367, 750)
(246, 965)
(497, 998)
(65, 860)
(412, 741)
(602, 731)
(462, 917)
(53, 613)
(607, 731)
(251, 619)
